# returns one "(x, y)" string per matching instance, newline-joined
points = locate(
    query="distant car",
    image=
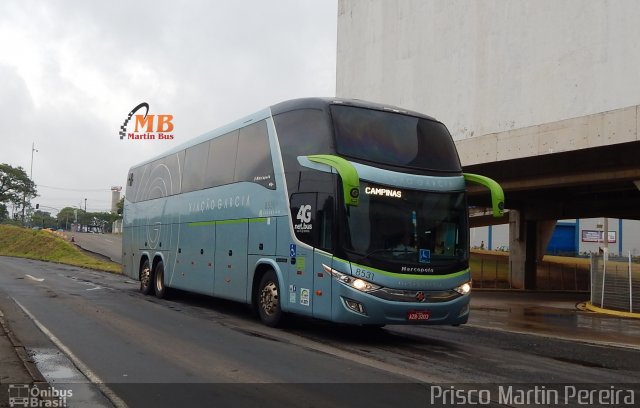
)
(35, 228)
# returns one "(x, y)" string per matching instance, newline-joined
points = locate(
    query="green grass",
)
(45, 246)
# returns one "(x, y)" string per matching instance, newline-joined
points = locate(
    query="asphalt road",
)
(195, 350)
(109, 245)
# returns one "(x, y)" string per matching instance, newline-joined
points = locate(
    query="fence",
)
(615, 283)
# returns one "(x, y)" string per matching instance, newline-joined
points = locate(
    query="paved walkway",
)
(558, 315)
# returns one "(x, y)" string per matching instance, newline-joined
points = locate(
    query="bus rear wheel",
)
(269, 300)
(160, 289)
(146, 277)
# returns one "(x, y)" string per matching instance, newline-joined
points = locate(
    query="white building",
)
(490, 66)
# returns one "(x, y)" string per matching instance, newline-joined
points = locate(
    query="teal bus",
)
(336, 209)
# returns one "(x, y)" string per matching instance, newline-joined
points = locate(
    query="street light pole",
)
(24, 196)
(33, 149)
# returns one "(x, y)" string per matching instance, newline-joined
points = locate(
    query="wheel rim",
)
(145, 276)
(269, 299)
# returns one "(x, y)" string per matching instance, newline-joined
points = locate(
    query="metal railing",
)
(615, 283)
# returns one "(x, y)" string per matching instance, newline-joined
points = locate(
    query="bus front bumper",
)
(352, 306)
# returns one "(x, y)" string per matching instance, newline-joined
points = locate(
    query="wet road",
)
(190, 349)
(108, 245)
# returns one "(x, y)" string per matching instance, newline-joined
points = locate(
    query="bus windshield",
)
(393, 139)
(407, 231)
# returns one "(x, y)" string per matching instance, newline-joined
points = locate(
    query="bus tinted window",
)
(393, 139)
(254, 156)
(222, 160)
(300, 133)
(195, 163)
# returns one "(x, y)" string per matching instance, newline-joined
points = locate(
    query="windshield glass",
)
(407, 231)
(393, 139)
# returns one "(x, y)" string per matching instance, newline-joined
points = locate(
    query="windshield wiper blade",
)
(381, 250)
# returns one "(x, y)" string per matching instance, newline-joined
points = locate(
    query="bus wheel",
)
(160, 289)
(145, 278)
(269, 299)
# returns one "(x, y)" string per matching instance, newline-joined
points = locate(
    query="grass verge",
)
(45, 246)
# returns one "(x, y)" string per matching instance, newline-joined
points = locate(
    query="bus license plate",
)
(418, 315)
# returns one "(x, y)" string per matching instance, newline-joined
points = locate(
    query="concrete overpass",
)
(584, 167)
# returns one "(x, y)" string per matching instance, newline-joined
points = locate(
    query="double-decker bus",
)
(337, 209)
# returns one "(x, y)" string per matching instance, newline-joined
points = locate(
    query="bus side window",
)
(254, 156)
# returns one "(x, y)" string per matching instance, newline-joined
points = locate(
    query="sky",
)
(71, 71)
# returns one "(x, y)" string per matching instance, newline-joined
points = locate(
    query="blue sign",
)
(292, 250)
(425, 256)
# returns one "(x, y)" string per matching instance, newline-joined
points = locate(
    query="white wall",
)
(488, 66)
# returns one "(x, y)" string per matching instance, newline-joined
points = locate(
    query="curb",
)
(21, 352)
(589, 306)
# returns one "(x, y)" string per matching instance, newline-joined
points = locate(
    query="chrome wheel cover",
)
(269, 299)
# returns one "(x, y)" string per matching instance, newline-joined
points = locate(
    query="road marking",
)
(35, 279)
(108, 240)
(84, 369)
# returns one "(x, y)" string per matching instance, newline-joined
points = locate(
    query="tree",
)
(15, 186)
(43, 219)
(4, 214)
(120, 207)
(66, 217)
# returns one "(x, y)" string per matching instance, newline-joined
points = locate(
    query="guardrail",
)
(615, 283)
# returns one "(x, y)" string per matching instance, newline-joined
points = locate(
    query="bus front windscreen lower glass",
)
(407, 231)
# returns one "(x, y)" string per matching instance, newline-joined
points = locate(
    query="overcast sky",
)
(71, 71)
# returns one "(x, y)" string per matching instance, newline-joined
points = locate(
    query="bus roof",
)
(322, 103)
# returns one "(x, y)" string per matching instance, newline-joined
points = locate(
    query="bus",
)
(336, 209)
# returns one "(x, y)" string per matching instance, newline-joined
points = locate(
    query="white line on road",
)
(35, 279)
(84, 369)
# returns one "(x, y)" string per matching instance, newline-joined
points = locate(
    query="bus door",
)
(310, 286)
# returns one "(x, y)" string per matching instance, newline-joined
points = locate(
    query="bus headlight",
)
(464, 289)
(356, 283)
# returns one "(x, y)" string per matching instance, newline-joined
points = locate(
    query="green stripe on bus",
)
(408, 276)
(200, 223)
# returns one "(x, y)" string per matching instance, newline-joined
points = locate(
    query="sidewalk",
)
(561, 315)
(16, 367)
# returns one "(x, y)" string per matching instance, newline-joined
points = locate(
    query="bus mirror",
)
(348, 174)
(497, 195)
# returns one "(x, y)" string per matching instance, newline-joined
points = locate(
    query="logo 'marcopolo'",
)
(25, 395)
(164, 125)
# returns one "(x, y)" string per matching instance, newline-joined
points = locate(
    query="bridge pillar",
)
(528, 240)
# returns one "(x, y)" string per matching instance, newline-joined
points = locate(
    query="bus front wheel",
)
(269, 299)
(146, 277)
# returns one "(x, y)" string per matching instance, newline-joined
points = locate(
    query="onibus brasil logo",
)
(147, 127)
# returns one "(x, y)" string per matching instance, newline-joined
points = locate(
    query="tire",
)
(160, 289)
(268, 300)
(146, 278)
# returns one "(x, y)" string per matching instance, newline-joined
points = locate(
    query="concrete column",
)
(528, 240)
(517, 251)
